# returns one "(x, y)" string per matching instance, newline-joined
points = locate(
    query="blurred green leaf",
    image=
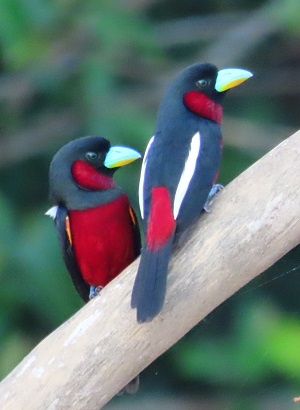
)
(13, 351)
(262, 343)
(282, 336)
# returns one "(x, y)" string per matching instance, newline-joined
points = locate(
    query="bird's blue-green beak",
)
(231, 77)
(119, 156)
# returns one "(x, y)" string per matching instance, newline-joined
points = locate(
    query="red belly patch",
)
(103, 240)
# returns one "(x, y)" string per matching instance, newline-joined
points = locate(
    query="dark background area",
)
(70, 68)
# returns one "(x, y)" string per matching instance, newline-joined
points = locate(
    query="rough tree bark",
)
(87, 360)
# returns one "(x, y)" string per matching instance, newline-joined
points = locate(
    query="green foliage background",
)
(70, 68)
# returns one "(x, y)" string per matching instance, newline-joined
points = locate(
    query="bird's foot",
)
(132, 387)
(94, 291)
(215, 189)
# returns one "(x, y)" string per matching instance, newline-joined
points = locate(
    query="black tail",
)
(149, 288)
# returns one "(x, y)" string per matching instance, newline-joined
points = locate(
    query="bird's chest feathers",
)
(102, 240)
(88, 177)
(199, 104)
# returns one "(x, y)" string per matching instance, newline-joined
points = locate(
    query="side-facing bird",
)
(96, 226)
(179, 169)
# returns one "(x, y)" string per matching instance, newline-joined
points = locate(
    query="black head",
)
(88, 155)
(81, 172)
(197, 77)
(91, 150)
(200, 88)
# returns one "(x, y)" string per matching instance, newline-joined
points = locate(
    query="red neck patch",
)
(203, 106)
(89, 178)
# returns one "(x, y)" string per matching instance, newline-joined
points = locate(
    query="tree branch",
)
(87, 360)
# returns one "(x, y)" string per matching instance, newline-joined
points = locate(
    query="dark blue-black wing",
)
(136, 232)
(65, 241)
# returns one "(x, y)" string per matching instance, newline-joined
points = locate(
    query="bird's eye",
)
(91, 156)
(202, 83)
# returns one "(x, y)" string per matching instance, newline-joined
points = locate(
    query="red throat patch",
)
(161, 220)
(203, 106)
(89, 178)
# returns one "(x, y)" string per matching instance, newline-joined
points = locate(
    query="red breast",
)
(103, 240)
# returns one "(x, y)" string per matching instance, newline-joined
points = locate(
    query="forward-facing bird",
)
(179, 169)
(96, 226)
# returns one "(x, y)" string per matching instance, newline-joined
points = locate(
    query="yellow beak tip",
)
(230, 78)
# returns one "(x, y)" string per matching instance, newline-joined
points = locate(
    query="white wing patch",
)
(187, 174)
(52, 212)
(142, 177)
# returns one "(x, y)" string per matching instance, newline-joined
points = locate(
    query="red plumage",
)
(161, 224)
(97, 228)
(88, 177)
(103, 240)
(200, 104)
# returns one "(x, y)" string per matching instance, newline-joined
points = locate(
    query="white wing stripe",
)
(52, 212)
(187, 174)
(142, 177)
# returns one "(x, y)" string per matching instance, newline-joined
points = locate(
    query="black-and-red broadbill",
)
(96, 225)
(97, 228)
(179, 169)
